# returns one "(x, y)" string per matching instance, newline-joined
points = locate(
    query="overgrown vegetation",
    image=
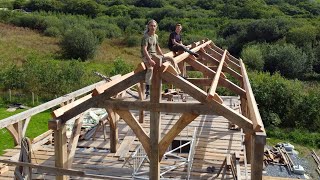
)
(279, 40)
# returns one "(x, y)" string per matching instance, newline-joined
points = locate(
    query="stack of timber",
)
(317, 159)
(278, 156)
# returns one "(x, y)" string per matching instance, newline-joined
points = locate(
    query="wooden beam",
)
(214, 84)
(61, 171)
(140, 67)
(141, 97)
(137, 129)
(73, 142)
(30, 112)
(201, 96)
(109, 92)
(102, 88)
(183, 121)
(14, 134)
(217, 55)
(25, 126)
(155, 121)
(215, 61)
(259, 141)
(251, 102)
(232, 58)
(184, 55)
(113, 130)
(60, 148)
(172, 107)
(167, 66)
(222, 81)
(59, 112)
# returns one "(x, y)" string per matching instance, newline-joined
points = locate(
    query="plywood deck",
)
(214, 141)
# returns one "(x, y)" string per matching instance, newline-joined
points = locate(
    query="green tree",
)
(252, 57)
(289, 60)
(79, 43)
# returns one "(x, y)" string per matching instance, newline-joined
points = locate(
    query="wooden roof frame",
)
(209, 103)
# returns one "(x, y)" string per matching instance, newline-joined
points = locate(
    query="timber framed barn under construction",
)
(188, 131)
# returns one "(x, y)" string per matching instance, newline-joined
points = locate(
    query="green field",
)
(37, 126)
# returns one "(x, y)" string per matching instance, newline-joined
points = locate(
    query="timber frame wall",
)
(213, 62)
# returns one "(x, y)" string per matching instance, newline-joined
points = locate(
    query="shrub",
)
(252, 57)
(277, 98)
(79, 43)
(12, 77)
(287, 59)
(308, 112)
(132, 41)
(120, 67)
(52, 31)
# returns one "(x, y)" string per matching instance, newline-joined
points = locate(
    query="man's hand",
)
(152, 63)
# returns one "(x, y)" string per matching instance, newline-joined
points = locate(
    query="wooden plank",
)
(184, 120)
(251, 102)
(61, 171)
(214, 85)
(125, 145)
(136, 127)
(72, 145)
(30, 112)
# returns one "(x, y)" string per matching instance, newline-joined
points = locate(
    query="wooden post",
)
(155, 121)
(60, 148)
(141, 97)
(18, 127)
(32, 98)
(113, 130)
(10, 95)
(258, 143)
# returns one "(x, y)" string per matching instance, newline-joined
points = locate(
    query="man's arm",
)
(159, 50)
(147, 56)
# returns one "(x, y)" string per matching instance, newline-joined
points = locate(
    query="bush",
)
(252, 57)
(287, 59)
(120, 67)
(308, 112)
(79, 43)
(12, 77)
(277, 98)
(52, 31)
(132, 41)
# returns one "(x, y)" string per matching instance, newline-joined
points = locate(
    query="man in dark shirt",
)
(175, 42)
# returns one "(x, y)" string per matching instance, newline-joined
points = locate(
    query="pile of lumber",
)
(317, 159)
(278, 156)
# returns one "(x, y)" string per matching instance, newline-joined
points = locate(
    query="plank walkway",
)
(214, 141)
